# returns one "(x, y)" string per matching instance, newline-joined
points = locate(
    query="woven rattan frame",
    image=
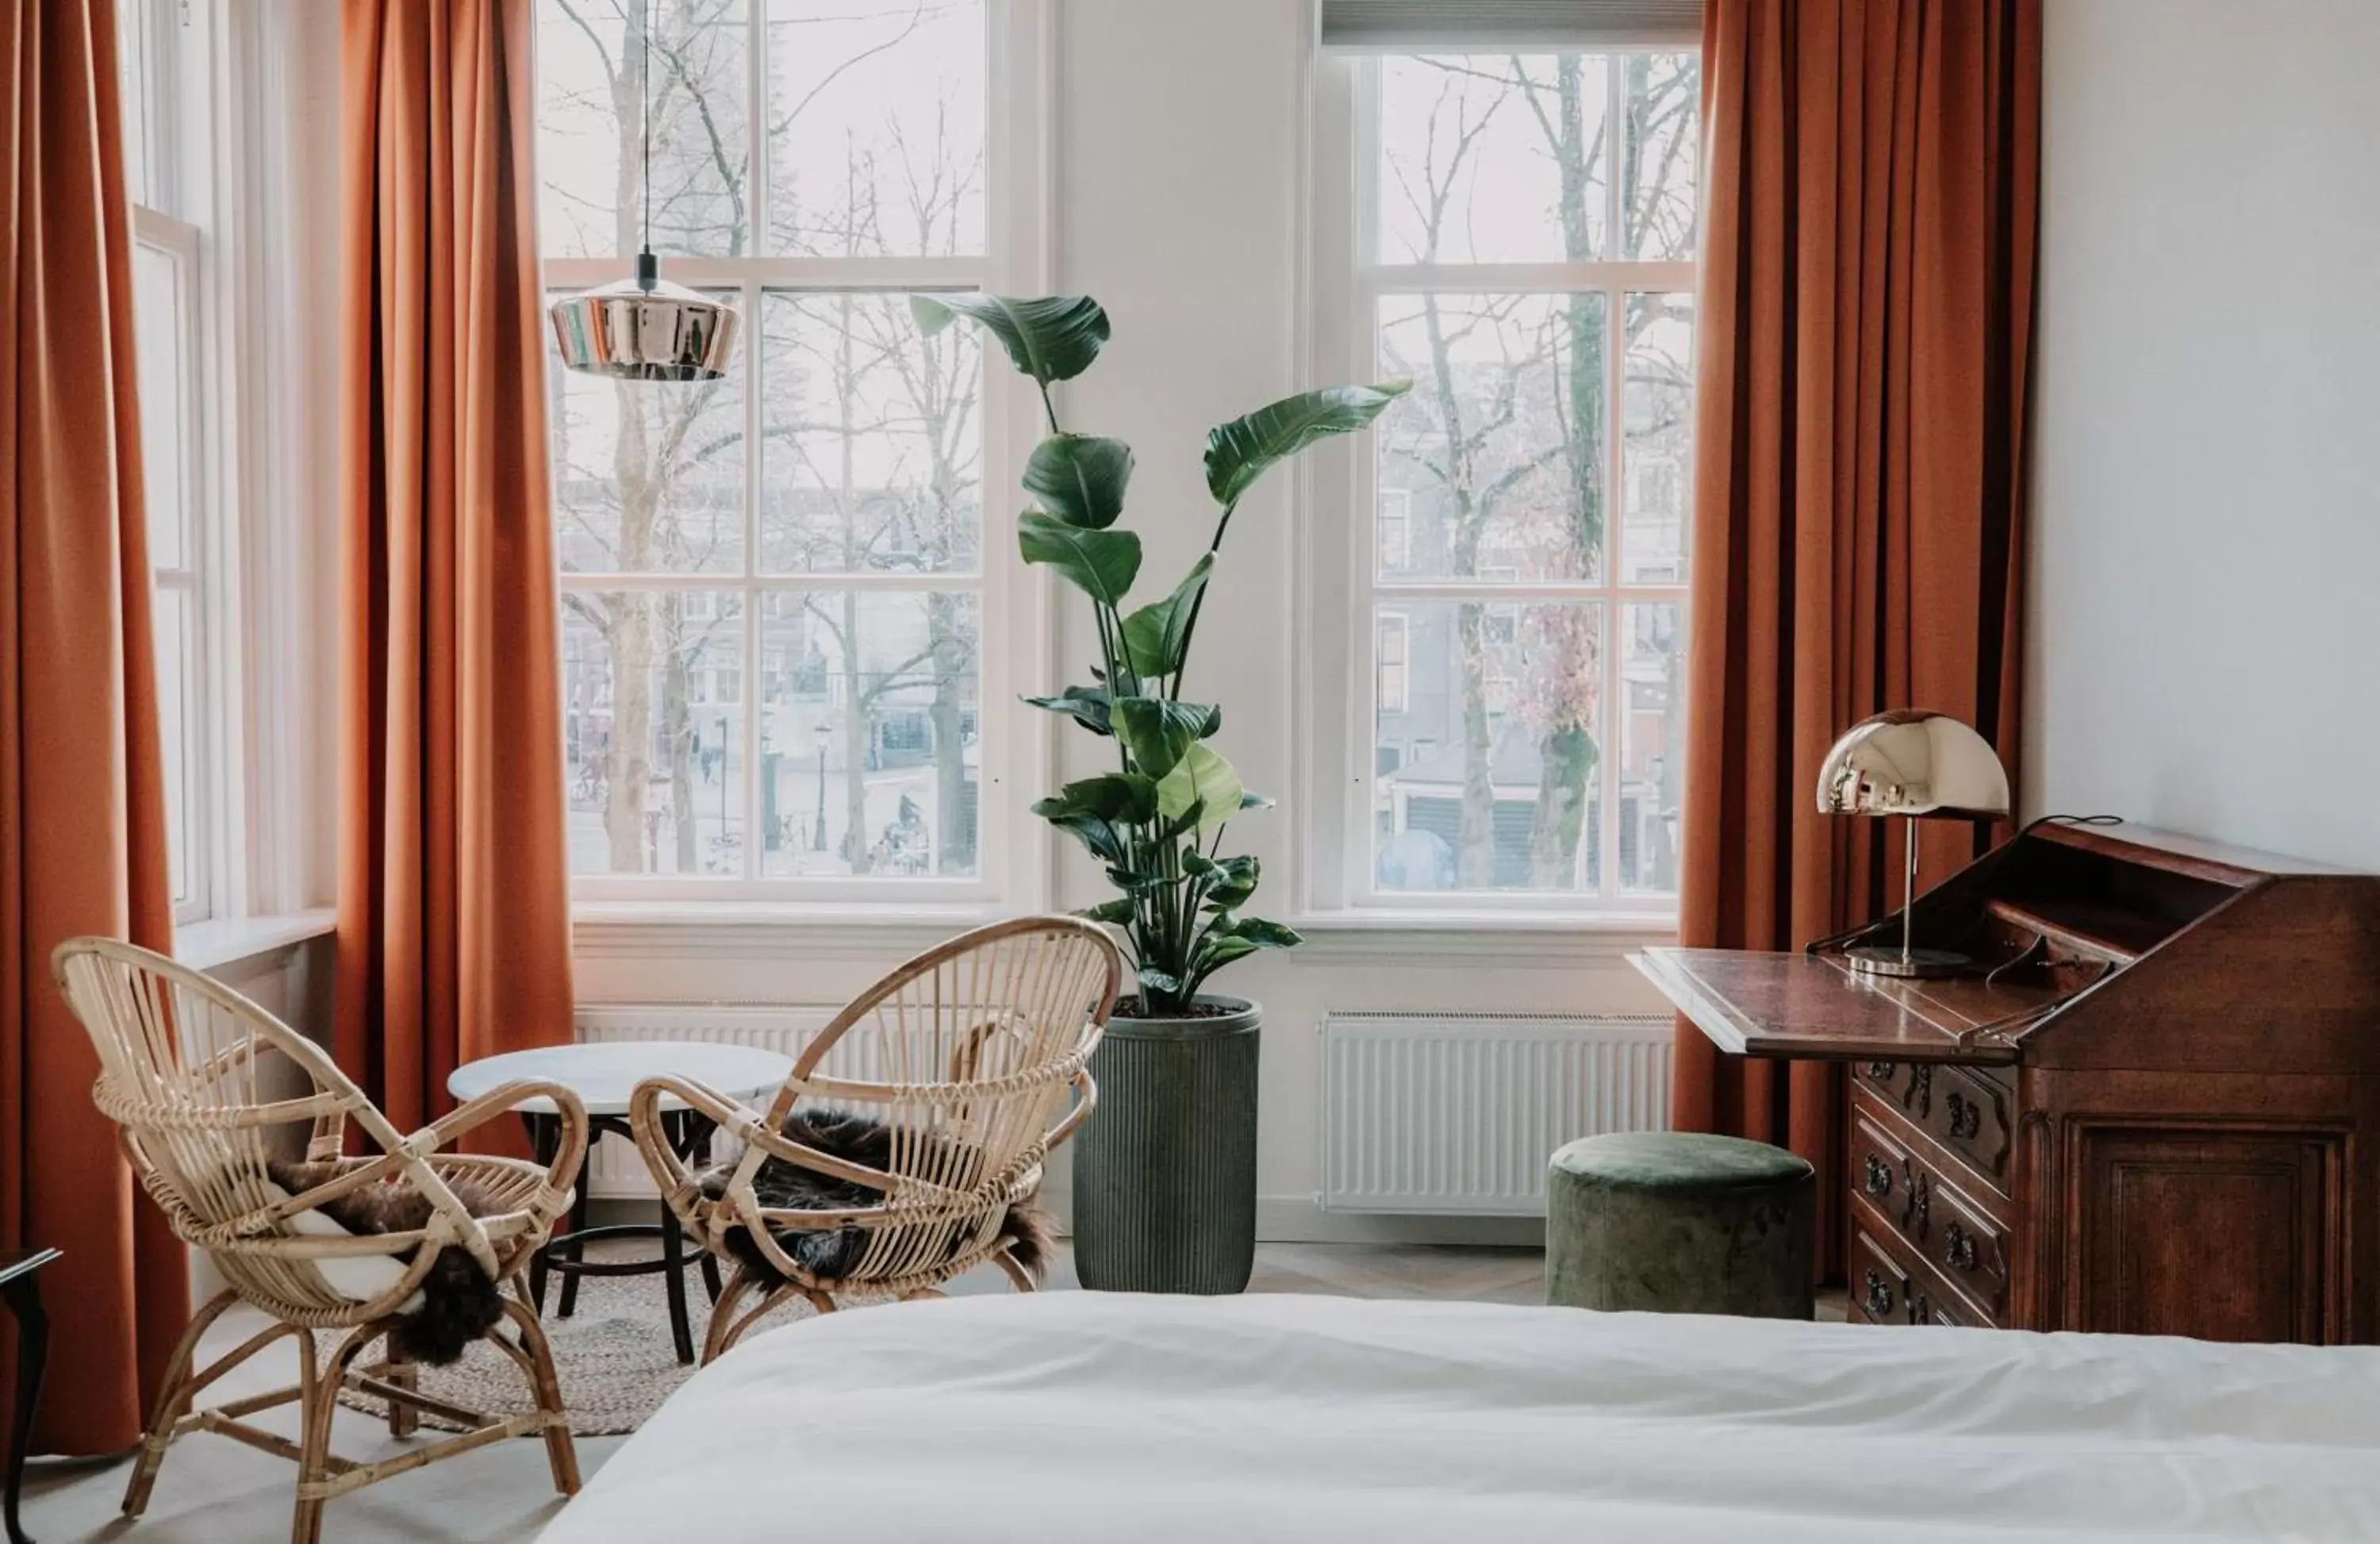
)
(186, 1065)
(982, 1048)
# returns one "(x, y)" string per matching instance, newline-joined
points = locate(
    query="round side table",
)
(603, 1076)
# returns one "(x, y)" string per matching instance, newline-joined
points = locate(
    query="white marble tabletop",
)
(604, 1074)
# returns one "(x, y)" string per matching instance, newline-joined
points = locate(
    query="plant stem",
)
(1190, 629)
(1048, 409)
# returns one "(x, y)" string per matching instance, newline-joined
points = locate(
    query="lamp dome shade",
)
(645, 329)
(1916, 764)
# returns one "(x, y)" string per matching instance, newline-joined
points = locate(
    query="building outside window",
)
(815, 519)
(1516, 237)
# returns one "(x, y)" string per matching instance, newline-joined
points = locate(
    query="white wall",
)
(1180, 137)
(2205, 621)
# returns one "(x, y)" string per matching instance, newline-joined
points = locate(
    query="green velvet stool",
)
(1680, 1222)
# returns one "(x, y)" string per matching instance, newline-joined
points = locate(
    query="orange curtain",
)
(82, 804)
(453, 902)
(1870, 205)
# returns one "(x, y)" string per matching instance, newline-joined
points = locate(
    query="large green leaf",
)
(1155, 635)
(1119, 910)
(1085, 705)
(1239, 452)
(1054, 337)
(1158, 731)
(1263, 934)
(1101, 563)
(1125, 796)
(1080, 478)
(1235, 881)
(1201, 776)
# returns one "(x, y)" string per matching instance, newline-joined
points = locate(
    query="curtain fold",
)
(1870, 207)
(453, 902)
(82, 803)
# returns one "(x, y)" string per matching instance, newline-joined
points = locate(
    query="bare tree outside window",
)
(771, 582)
(1524, 750)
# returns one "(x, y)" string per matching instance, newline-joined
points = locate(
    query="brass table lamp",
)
(1920, 766)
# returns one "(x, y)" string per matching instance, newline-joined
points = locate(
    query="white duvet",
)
(1075, 1417)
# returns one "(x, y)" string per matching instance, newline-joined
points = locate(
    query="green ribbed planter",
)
(1165, 1172)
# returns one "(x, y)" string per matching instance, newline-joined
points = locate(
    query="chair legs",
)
(561, 1452)
(321, 1475)
(174, 1397)
(729, 1318)
(1018, 1277)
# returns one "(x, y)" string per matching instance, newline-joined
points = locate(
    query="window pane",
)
(1496, 453)
(869, 747)
(1494, 757)
(872, 455)
(1657, 420)
(175, 627)
(157, 335)
(1492, 158)
(647, 476)
(1652, 747)
(653, 732)
(590, 118)
(876, 128)
(1659, 144)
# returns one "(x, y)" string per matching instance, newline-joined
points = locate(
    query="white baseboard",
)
(1284, 1220)
(1296, 1219)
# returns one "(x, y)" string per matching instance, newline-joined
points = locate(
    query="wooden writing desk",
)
(2153, 1107)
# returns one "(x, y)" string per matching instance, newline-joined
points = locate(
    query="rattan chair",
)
(974, 1054)
(197, 1080)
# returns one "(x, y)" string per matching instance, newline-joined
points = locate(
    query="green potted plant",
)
(1165, 1173)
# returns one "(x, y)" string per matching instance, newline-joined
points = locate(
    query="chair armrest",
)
(561, 1175)
(1086, 1098)
(670, 1174)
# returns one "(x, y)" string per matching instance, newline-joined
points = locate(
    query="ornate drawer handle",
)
(1878, 1072)
(1966, 1116)
(1879, 1297)
(1958, 1248)
(1913, 1220)
(1879, 1176)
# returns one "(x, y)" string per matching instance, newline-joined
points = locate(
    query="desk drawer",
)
(1897, 1192)
(1887, 1289)
(1962, 1109)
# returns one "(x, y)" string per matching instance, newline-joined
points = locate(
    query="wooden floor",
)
(215, 1492)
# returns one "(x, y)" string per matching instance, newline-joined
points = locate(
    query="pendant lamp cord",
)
(645, 88)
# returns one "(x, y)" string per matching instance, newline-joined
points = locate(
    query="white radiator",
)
(613, 1169)
(1459, 1113)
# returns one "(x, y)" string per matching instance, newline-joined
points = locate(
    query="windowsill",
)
(1437, 938)
(781, 929)
(212, 944)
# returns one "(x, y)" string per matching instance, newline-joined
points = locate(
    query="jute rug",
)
(614, 1355)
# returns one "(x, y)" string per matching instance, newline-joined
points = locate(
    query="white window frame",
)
(1339, 557)
(176, 125)
(1013, 650)
(1394, 622)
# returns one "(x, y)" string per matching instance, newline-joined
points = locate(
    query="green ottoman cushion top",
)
(1679, 1160)
(1680, 1222)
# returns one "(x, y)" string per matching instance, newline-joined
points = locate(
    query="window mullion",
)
(755, 467)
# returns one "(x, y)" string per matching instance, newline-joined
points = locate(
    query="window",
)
(1514, 233)
(159, 78)
(1390, 653)
(815, 521)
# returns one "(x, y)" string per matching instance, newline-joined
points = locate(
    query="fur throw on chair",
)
(459, 1304)
(832, 1254)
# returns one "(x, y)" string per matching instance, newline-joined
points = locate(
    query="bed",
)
(1093, 1418)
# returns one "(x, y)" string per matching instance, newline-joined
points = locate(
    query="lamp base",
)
(1880, 959)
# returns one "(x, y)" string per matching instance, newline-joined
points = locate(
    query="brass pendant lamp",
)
(645, 328)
